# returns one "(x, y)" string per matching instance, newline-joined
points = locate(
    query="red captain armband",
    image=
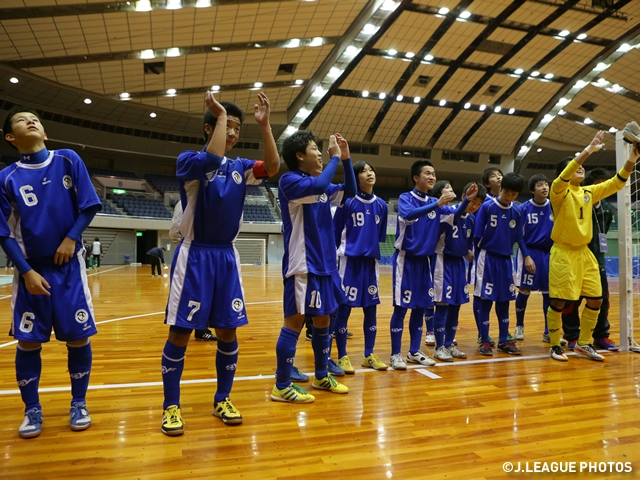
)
(259, 171)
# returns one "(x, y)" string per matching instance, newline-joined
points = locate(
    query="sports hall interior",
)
(468, 84)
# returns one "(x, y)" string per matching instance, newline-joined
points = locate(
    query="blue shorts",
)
(68, 311)
(494, 277)
(412, 282)
(360, 278)
(206, 288)
(450, 280)
(533, 281)
(314, 295)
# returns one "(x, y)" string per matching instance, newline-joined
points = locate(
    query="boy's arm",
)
(422, 211)
(350, 186)
(33, 281)
(262, 113)
(616, 183)
(559, 185)
(67, 247)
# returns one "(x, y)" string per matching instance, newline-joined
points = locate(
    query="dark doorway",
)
(145, 241)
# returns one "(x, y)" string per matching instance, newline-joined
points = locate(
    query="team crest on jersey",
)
(377, 219)
(512, 288)
(432, 214)
(372, 290)
(512, 224)
(67, 182)
(323, 198)
(431, 292)
(237, 177)
(551, 217)
(82, 316)
(468, 232)
(586, 198)
(466, 289)
(237, 304)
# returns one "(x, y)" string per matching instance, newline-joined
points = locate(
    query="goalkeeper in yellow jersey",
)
(573, 269)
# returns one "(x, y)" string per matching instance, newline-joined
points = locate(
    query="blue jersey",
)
(309, 242)
(213, 202)
(417, 237)
(455, 237)
(498, 228)
(361, 225)
(41, 197)
(538, 223)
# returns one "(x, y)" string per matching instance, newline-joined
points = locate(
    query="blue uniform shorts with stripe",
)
(494, 277)
(533, 281)
(206, 288)
(360, 280)
(310, 294)
(68, 311)
(450, 280)
(412, 281)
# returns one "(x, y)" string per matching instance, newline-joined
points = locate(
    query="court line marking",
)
(271, 377)
(427, 373)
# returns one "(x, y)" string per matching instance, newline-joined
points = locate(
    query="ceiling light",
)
(173, 52)
(535, 73)
(428, 58)
(124, 96)
(365, 93)
(143, 6)
(369, 29)
(293, 43)
(303, 112)
(512, 111)
(467, 106)
(561, 112)
(482, 107)
(416, 99)
(563, 101)
(549, 76)
(615, 88)
(203, 3)
(465, 14)
(216, 49)
(299, 82)
(580, 84)
(87, 101)
(601, 66)
(582, 36)
(215, 88)
(257, 85)
(352, 51)
(389, 6)
(539, 150)
(392, 52)
(601, 82)
(172, 91)
(564, 33)
(152, 115)
(316, 42)
(442, 102)
(547, 118)
(173, 4)
(290, 130)
(382, 96)
(613, 130)
(410, 55)
(587, 121)
(519, 71)
(147, 54)
(319, 91)
(399, 98)
(625, 47)
(443, 11)
(14, 80)
(534, 136)
(335, 72)
(497, 109)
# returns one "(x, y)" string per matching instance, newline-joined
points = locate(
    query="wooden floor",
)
(461, 420)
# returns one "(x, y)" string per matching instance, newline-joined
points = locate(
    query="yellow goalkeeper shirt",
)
(572, 205)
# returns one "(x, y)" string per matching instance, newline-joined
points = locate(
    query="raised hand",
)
(446, 197)
(596, 144)
(213, 105)
(334, 148)
(472, 191)
(344, 147)
(262, 110)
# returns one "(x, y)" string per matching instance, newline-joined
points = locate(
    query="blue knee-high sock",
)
(477, 301)
(226, 364)
(285, 355)
(546, 302)
(28, 370)
(370, 328)
(502, 311)
(415, 329)
(484, 311)
(172, 366)
(521, 307)
(332, 332)
(428, 318)
(451, 324)
(397, 326)
(439, 321)
(341, 329)
(320, 342)
(79, 361)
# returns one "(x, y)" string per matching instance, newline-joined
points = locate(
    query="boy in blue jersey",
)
(361, 224)
(206, 286)
(311, 281)
(47, 201)
(450, 274)
(534, 274)
(498, 226)
(417, 233)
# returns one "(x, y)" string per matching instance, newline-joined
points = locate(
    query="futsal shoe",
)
(605, 343)
(397, 363)
(455, 353)
(631, 133)
(205, 335)
(172, 423)
(345, 364)
(519, 333)
(291, 394)
(485, 349)
(297, 376)
(420, 358)
(557, 353)
(491, 342)
(430, 339)
(589, 352)
(227, 412)
(547, 339)
(373, 361)
(443, 354)
(79, 417)
(334, 369)
(329, 383)
(510, 348)
(572, 344)
(32, 424)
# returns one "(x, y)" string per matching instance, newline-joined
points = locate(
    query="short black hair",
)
(417, 167)
(7, 126)
(597, 173)
(512, 182)
(482, 191)
(562, 164)
(96, 239)
(358, 167)
(231, 108)
(487, 173)
(436, 191)
(163, 249)
(538, 177)
(297, 142)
